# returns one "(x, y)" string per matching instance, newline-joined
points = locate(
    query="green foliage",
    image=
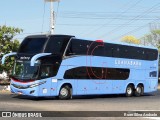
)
(8, 44)
(153, 38)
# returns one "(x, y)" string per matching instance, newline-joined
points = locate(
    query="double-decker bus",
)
(65, 66)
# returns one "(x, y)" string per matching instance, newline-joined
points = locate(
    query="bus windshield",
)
(23, 70)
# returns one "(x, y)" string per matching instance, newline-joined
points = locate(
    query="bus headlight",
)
(37, 84)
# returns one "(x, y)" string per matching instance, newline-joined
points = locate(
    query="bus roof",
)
(48, 35)
(91, 39)
(119, 43)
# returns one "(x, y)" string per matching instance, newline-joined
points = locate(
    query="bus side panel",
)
(118, 86)
(154, 85)
(54, 83)
(87, 86)
(138, 74)
(105, 86)
(153, 77)
(151, 80)
(45, 89)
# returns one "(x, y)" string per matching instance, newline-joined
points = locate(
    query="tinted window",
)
(84, 47)
(49, 66)
(32, 45)
(130, 52)
(77, 47)
(151, 54)
(96, 49)
(116, 51)
(57, 44)
(46, 71)
(97, 73)
(108, 50)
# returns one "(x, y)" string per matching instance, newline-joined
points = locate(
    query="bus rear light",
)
(101, 41)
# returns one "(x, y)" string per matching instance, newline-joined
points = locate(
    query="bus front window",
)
(23, 70)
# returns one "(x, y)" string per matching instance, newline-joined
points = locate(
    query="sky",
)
(96, 19)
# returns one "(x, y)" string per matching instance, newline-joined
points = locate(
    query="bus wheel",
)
(65, 93)
(129, 91)
(139, 90)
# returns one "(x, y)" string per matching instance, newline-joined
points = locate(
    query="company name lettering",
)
(24, 58)
(128, 62)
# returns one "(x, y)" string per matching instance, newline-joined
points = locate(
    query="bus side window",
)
(108, 50)
(80, 47)
(80, 73)
(116, 52)
(152, 54)
(97, 50)
(46, 71)
(143, 54)
(77, 47)
(69, 74)
(76, 73)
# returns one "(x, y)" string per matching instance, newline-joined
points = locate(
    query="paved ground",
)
(81, 103)
(11, 102)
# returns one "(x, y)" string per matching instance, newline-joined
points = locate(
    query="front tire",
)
(139, 91)
(129, 91)
(65, 93)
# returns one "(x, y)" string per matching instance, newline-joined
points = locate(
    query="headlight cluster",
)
(36, 84)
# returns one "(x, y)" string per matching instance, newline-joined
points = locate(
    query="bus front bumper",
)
(28, 91)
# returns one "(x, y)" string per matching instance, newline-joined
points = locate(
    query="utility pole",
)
(52, 18)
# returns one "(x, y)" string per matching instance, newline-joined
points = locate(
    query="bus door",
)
(45, 75)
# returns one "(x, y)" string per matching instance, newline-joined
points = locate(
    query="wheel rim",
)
(129, 90)
(64, 92)
(139, 90)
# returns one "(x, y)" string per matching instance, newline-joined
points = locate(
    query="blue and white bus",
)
(65, 66)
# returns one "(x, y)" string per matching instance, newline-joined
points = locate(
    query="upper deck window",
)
(57, 44)
(33, 45)
(86, 47)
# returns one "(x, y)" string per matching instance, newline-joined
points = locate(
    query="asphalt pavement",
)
(12, 102)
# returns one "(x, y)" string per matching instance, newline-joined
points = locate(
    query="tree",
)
(153, 38)
(131, 39)
(8, 44)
